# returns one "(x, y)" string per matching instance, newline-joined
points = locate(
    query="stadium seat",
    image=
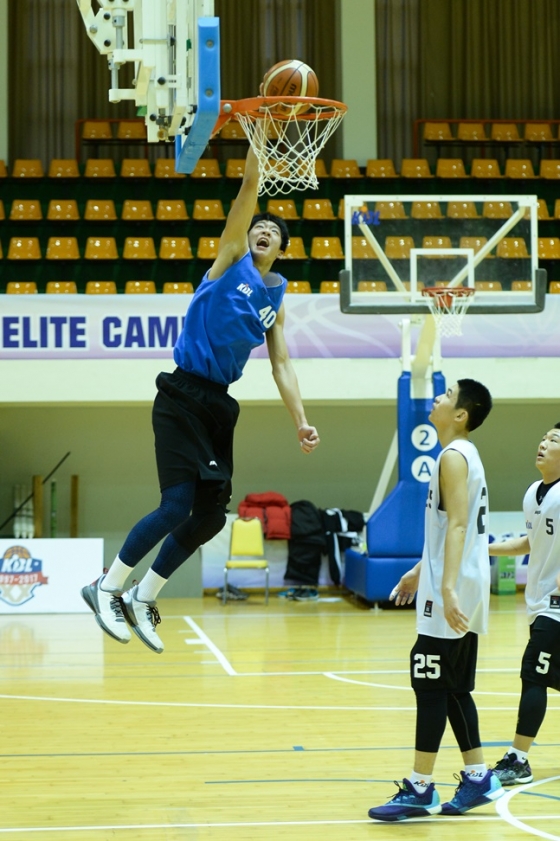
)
(372, 286)
(135, 168)
(137, 210)
(521, 286)
(497, 210)
(398, 248)
(437, 131)
(519, 168)
(232, 130)
(26, 210)
(171, 210)
(425, 210)
(329, 287)
(206, 168)
(554, 287)
(317, 209)
(302, 287)
(321, 169)
(207, 248)
(61, 287)
(380, 168)
(24, 248)
(512, 247)
(436, 242)
(390, 210)
(23, 287)
(450, 168)
(505, 132)
(549, 248)
(181, 288)
(62, 248)
(471, 131)
(100, 210)
(101, 248)
(488, 286)
(97, 130)
(175, 248)
(99, 168)
(3, 169)
(295, 250)
(284, 208)
(63, 210)
(101, 287)
(2, 211)
(538, 132)
(542, 211)
(557, 209)
(235, 168)
(476, 243)
(345, 168)
(139, 248)
(415, 168)
(165, 168)
(362, 250)
(27, 168)
(131, 130)
(485, 168)
(326, 248)
(140, 287)
(462, 210)
(64, 168)
(550, 169)
(207, 210)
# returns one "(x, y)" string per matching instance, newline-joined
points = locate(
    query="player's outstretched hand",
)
(308, 438)
(454, 616)
(405, 590)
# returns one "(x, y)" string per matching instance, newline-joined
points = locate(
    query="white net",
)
(287, 136)
(448, 307)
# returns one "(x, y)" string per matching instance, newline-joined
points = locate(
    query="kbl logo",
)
(20, 575)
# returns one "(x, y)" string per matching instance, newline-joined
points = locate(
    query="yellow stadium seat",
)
(549, 248)
(101, 248)
(232, 130)
(175, 248)
(485, 168)
(99, 168)
(326, 248)
(415, 168)
(372, 286)
(390, 210)
(181, 288)
(554, 287)
(97, 130)
(3, 169)
(505, 132)
(206, 168)
(538, 132)
(284, 208)
(425, 210)
(207, 248)
(362, 250)
(321, 169)
(137, 210)
(63, 248)
(61, 287)
(542, 211)
(100, 210)
(550, 169)
(398, 248)
(26, 210)
(101, 287)
(519, 168)
(131, 130)
(380, 168)
(471, 131)
(295, 250)
(171, 210)
(437, 131)
(317, 209)
(2, 211)
(476, 243)
(28, 168)
(436, 242)
(139, 248)
(207, 210)
(462, 210)
(24, 248)
(497, 209)
(24, 287)
(165, 168)
(63, 210)
(235, 168)
(521, 286)
(302, 287)
(450, 168)
(488, 286)
(512, 247)
(135, 168)
(345, 168)
(140, 287)
(329, 287)
(64, 168)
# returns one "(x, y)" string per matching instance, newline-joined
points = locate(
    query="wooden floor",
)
(286, 721)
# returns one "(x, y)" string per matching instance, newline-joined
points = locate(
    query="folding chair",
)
(246, 551)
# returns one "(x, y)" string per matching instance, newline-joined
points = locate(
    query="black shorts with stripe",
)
(541, 659)
(448, 664)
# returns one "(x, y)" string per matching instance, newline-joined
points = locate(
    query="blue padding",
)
(189, 150)
(374, 578)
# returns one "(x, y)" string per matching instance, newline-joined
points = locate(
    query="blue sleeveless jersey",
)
(226, 319)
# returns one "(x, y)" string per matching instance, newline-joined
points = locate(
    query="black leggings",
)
(532, 708)
(434, 708)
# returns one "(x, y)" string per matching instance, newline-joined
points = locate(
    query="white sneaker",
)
(142, 618)
(106, 605)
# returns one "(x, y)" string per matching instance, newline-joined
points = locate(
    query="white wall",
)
(357, 51)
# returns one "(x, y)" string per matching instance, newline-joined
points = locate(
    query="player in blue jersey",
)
(235, 308)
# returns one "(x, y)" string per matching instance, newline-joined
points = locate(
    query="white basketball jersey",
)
(543, 530)
(473, 581)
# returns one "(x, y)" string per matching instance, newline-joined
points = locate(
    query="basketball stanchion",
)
(37, 506)
(74, 496)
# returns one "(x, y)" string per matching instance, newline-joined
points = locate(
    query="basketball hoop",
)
(286, 134)
(448, 305)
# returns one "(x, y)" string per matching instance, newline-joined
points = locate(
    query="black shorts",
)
(541, 660)
(448, 664)
(194, 420)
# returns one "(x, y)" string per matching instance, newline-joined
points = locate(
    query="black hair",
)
(270, 217)
(557, 425)
(476, 400)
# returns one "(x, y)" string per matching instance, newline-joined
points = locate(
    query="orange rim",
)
(253, 107)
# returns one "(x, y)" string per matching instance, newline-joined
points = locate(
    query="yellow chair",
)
(542, 210)
(207, 248)
(450, 168)
(139, 248)
(101, 248)
(505, 132)
(100, 210)
(437, 131)
(64, 168)
(131, 130)
(372, 286)
(398, 248)
(135, 168)
(2, 211)
(27, 168)
(345, 168)
(326, 248)
(317, 209)
(295, 250)
(284, 208)
(63, 210)
(206, 168)
(97, 130)
(101, 287)
(550, 169)
(328, 287)
(63, 248)
(462, 210)
(511, 248)
(519, 168)
(246, 551)
(181, 288)
(471, 131)
(3, 169)
(207, 210)
(488, 286)
(554, 287)
(100, 168)
(137, 210)
(321, 169)
(232, 130)
(362, 250)
(235, 168)
(436, 242)
(171, 210)
(497, 210)
(140, 287)
(476, 243)
(24, 287)
(26, 210)
(165, 168)
(538, 132)
(549, 248)
(299, 287)
(380, 168)
(390, 210)
(61, 287)
(485, 168)
(24, 248)
(175, 248)
(425, 210)
(521, 286)
(415, 168)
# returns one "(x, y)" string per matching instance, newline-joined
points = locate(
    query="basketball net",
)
(287, 134)
(448, 306)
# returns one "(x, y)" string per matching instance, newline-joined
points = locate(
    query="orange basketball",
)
(290, 78)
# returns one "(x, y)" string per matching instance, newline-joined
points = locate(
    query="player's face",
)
(443, 408)
(265, 239)
(548, 455)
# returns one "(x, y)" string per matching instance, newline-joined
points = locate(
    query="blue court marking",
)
(536, 794)
(312, 780)
(298, 747)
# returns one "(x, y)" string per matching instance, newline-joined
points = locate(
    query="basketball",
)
(290, 78)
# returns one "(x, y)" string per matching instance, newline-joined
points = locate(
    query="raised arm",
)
(454, 495)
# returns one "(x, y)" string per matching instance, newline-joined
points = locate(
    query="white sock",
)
(522, 755)
(150, 586)
(117, 575)
(476, 772)
(420, 781)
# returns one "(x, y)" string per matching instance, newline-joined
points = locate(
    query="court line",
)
(502, 807)
(221, 658)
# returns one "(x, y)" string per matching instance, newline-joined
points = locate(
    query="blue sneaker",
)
(470, 794)
(407, 803)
